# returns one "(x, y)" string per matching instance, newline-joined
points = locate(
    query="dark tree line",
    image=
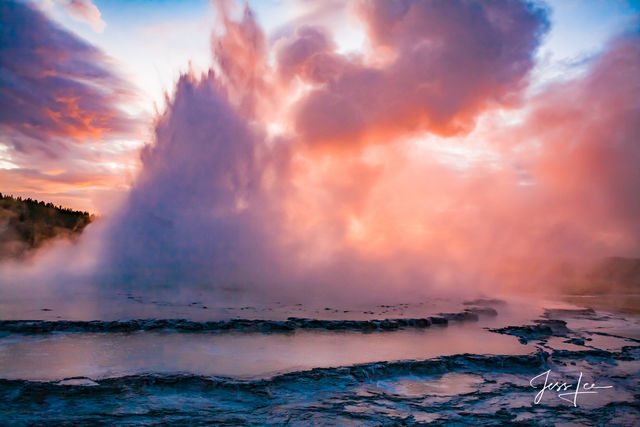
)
(27, 224)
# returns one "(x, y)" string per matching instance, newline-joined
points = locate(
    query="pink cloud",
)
(85, 11)
(448, 61)
(61, 106)
(281, 213)
(219, 202)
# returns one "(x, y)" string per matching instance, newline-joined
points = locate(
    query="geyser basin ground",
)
(239, 355)
(471, 369)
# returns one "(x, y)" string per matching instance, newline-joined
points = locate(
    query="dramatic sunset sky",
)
(235, 140)
(141, 47)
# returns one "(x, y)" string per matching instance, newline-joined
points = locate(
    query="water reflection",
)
(243, 355)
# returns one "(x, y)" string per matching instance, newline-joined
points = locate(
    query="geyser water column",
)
(200, 213)
(208, 211)
(196, 214)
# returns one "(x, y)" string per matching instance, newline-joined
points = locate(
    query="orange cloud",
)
(355, 194)
(439, 73)
(85, 10)
(61, 107)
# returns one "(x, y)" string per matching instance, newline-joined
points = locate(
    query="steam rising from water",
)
(353, 196)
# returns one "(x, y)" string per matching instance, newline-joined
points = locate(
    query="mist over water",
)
(341, 202)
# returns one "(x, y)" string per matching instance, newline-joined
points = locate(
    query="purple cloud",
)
(54, 87)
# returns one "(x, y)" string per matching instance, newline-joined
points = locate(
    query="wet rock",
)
(185, 325)
(599, 356)
(419, 323)
(486, 302)
(248, 325)
(332, 396)
(464, 316)
(542, 329)
(441, 321)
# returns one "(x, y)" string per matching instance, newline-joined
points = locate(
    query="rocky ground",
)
(484, 389)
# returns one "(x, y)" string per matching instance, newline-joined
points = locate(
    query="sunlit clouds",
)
(430, 151)
(62, 109)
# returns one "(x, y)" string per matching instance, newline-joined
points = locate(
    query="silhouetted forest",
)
(26, 224)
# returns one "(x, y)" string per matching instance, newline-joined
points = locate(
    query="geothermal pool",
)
(195, 362)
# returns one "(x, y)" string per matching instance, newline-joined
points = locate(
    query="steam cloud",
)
(343, 200)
